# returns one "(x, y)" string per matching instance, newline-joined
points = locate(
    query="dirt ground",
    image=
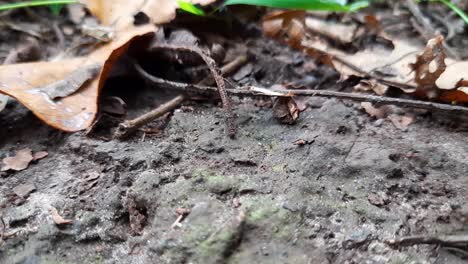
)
(350, 185)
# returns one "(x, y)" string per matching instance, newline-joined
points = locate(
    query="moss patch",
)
(213, 182)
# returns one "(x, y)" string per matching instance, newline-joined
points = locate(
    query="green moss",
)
(48, 261)
(261, 213)
(214, 183)
(266, 214)
(97, 259)
(201, 173)
(278, 168)
(198, 233)
(398, 260)
(216, 245)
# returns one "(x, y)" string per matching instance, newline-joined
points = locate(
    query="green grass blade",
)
(190, 8)
(56, 8)
(455, 9)
(4, 7)
(321, 5)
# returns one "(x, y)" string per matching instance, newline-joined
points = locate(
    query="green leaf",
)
(4, 7)
(321, 5)
(56, 8)
(190, 8)
(455, 9)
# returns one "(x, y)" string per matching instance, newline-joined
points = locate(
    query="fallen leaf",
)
(287, 25)
(114, 105)
(59, 220)
(371, 85)
(378, 199)
(24, 190)
(429, 74)
(72, 83)
(39, 155)
(373, 111)
(401, 122)
(429, 66)
(286, 110)
(3, 101)
(389, 112)
(78, 110)
(18, 162)
(121, 14)
(392, 62)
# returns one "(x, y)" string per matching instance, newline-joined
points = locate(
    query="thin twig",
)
(2, 231)
(252, 91)
(128, 127)
(448, 240)
(59, 34)
(227, 69)
(227, 105)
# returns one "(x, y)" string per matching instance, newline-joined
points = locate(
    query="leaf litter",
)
(21, 160)
(401, 74)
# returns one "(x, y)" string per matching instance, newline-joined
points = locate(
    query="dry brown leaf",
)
(428, 75)
(288, 25)
(371, 85)
(3, 101)
(394, 65)
(120, 13)
(401, 122)
(24, 190)
(74, 112)
(286, 110)
(429, 66)
(18, 162)
(59, 220)
(40, 155)
(373, 111)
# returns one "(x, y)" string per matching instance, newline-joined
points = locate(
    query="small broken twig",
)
(2, 231)
(448, 240)
(128, 127)
(182, 213)
(227, 69)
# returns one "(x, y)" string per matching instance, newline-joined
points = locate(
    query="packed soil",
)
(335, 187)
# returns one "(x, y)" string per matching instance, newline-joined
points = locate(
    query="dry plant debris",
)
(337, 181)
(390, 62)
(27, 83)
(32, 83)
(20, 161)
(57, 218)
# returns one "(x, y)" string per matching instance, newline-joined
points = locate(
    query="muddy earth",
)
(335, 187)
(256, 199)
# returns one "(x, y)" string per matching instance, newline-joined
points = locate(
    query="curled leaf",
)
(429, 66)
(18, 162)
(286, 110)
(78, 110)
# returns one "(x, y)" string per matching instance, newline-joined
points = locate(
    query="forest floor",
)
(337, 186)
